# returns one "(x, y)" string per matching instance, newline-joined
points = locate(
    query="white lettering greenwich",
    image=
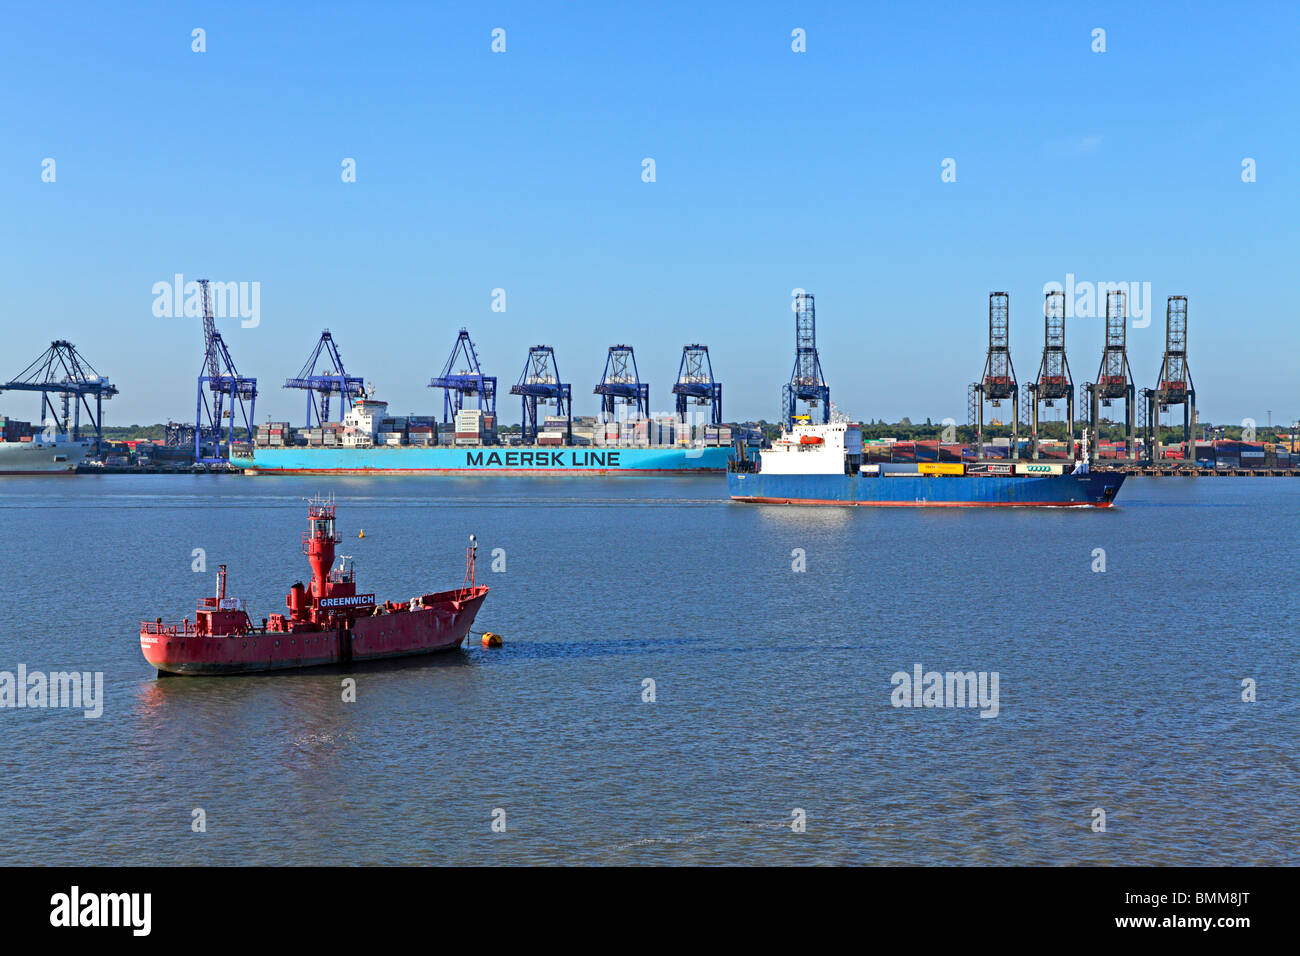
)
(355, 600)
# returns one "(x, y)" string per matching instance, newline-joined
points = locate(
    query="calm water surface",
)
(1119, 690)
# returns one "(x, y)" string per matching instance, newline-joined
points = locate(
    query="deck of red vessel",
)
(327, 621)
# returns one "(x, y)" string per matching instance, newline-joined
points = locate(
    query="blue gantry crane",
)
(621, 385)
(220, 377)
(696, 385)
(63, 373)
(466, 381)
(807, 383)
(330, 379)
(540, 384)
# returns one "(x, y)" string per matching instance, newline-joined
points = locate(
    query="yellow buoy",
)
(362, 534)
(491, 640)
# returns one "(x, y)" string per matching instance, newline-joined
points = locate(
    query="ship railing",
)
(174, 629)
(190, 629)
(309, 537)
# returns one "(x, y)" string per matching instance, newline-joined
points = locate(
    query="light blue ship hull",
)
(486, 460)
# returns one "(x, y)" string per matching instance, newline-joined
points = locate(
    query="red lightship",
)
(327, 622)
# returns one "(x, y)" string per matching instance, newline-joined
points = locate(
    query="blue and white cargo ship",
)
(822, 465)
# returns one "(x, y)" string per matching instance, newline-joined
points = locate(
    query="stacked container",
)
(1227, 454)
(469, 427)
(11, 429)
(1251, 454)
(273, 435)
(717, 435)
(927, 450)
(422, 431)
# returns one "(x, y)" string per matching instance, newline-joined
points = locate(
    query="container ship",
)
(371, 442)
(328, 621)
(28, 451)
(822, 464)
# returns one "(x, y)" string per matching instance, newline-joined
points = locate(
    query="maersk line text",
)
(542, 459)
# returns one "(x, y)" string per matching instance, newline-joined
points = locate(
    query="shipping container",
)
(1039, 468)
(940, 468)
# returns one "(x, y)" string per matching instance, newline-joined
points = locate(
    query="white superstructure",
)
(361, 423)
(808, 449)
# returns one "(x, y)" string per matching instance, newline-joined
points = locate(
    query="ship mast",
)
(318, 544)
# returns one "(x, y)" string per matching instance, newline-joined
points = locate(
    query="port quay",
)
(348, 430)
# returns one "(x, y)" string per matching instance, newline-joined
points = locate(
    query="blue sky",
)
(775, 170)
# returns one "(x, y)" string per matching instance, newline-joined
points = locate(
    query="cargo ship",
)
(25, 450)
(328, 621)
(370, 442)
(823, 465)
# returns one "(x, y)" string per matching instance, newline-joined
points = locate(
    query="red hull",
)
(428, 630)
